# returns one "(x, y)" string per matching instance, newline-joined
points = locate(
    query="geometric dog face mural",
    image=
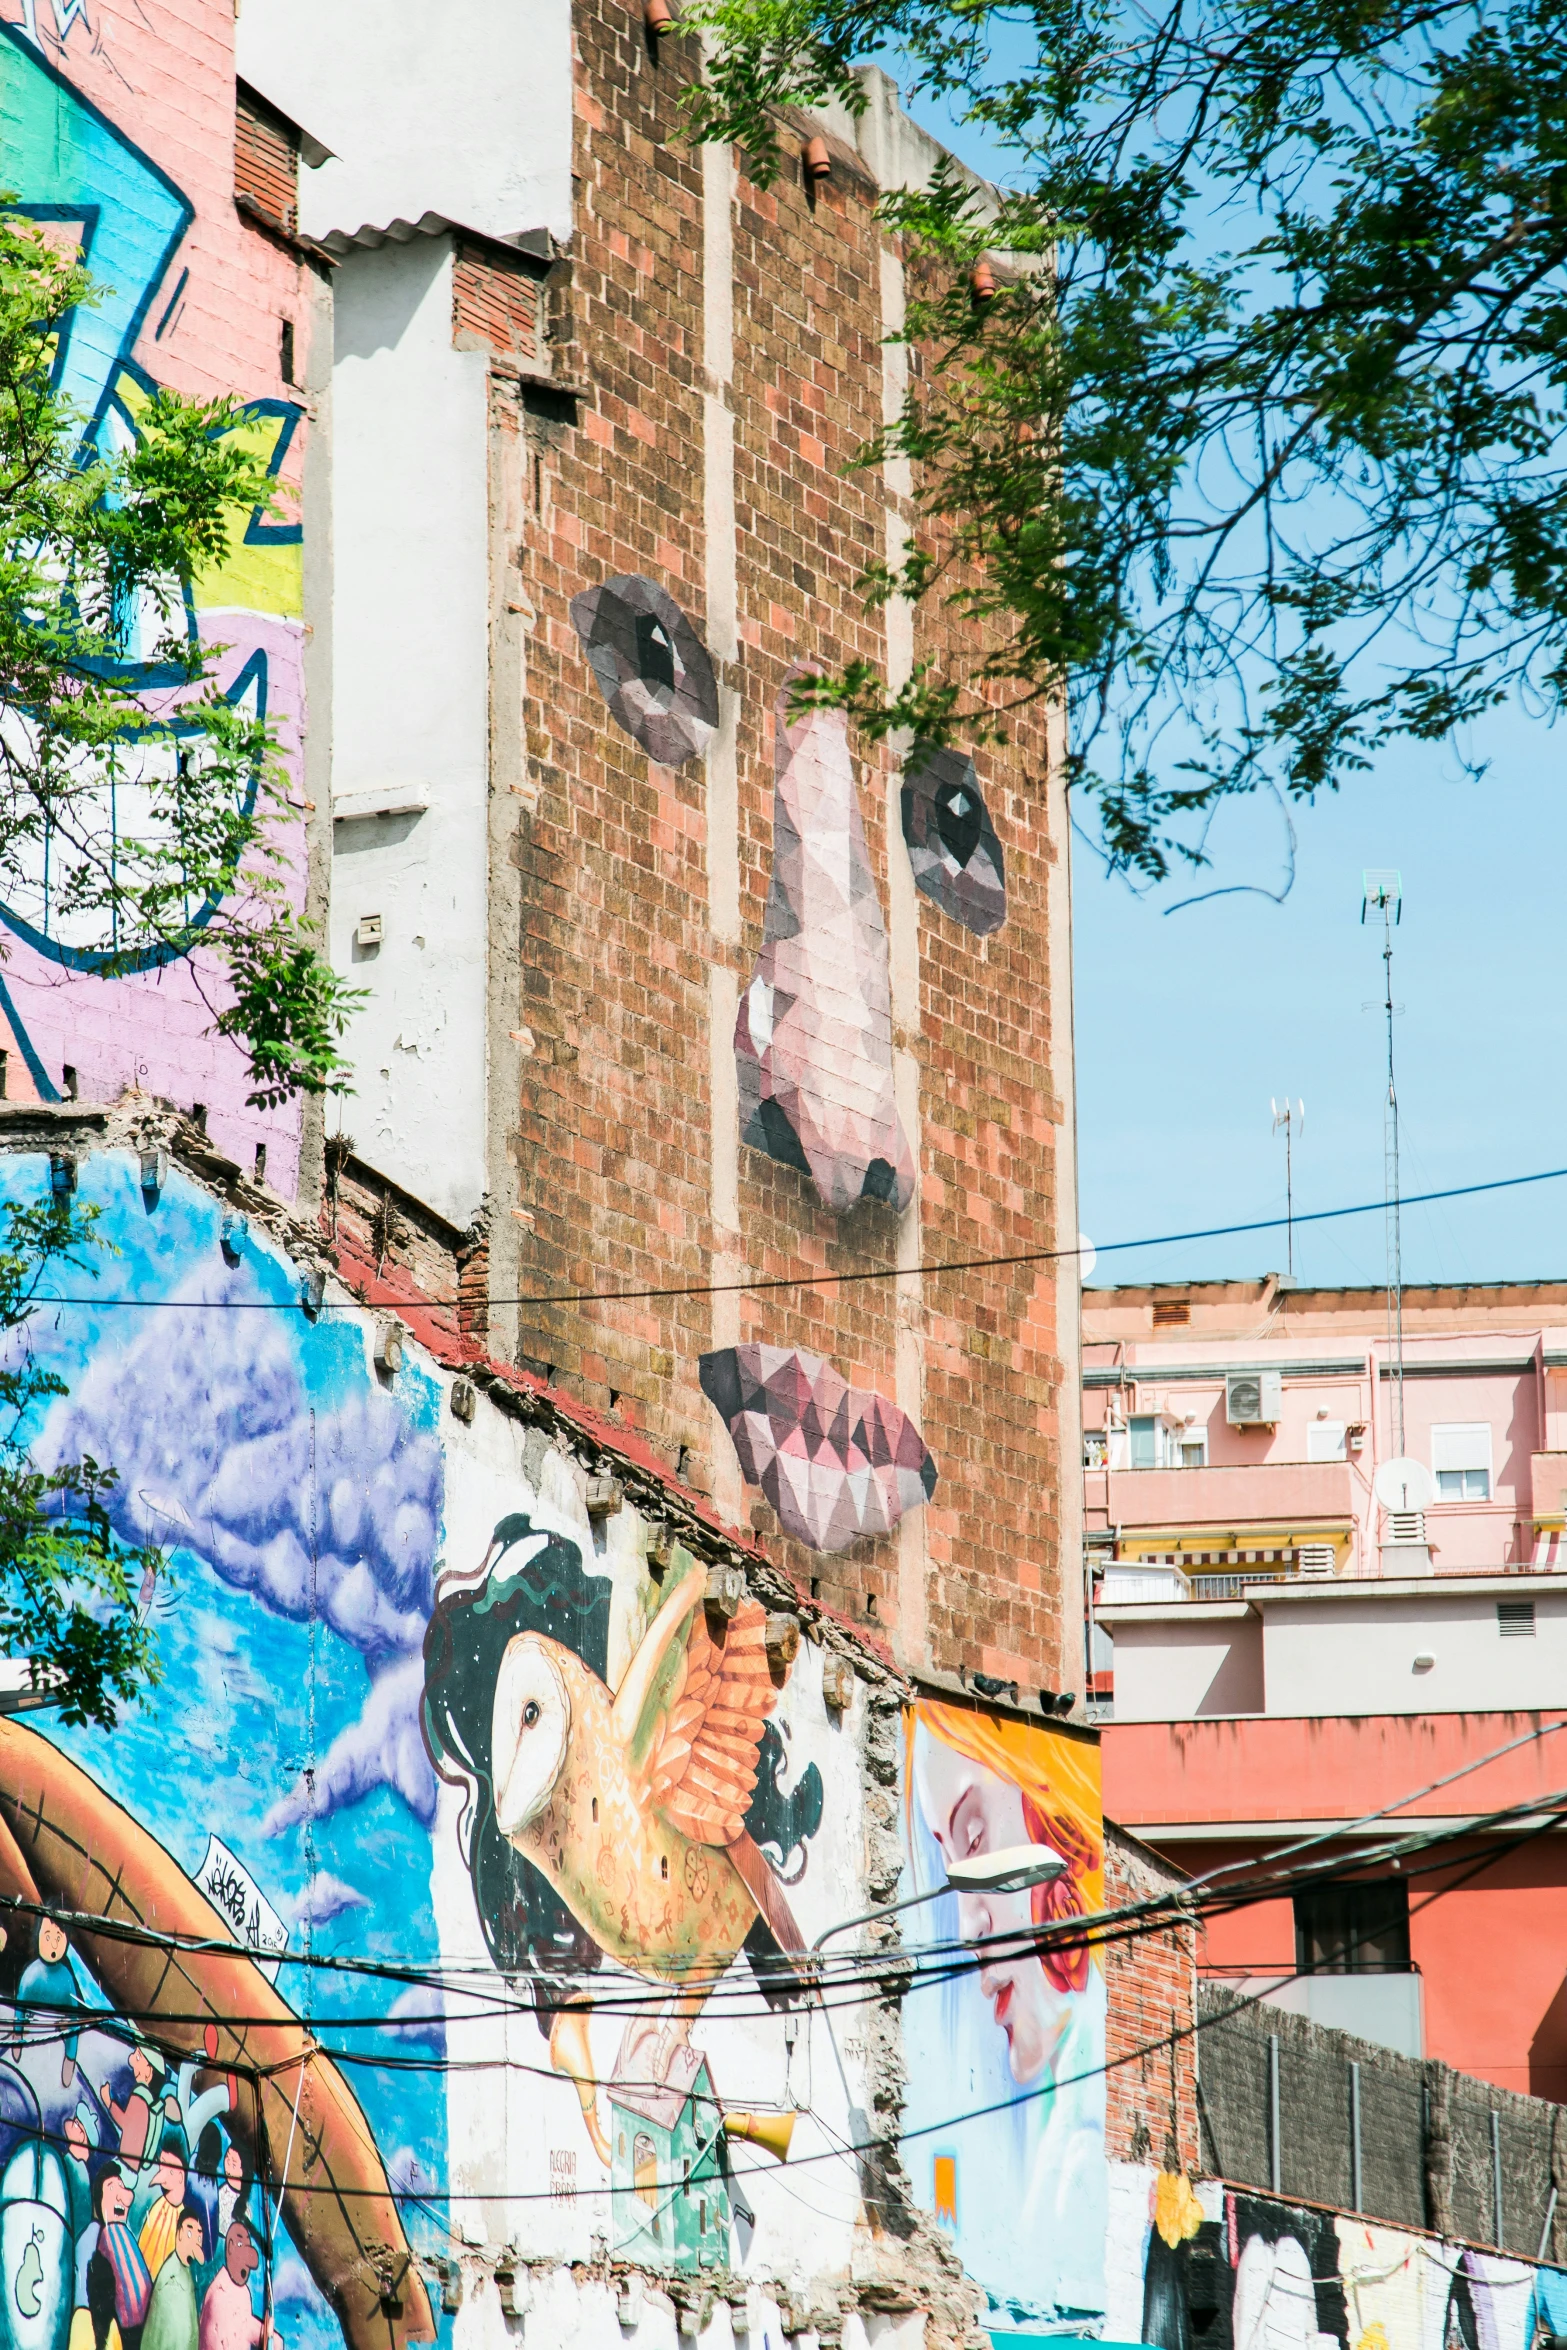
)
(813, 1040)
(952, 843)
(651, 665)
(834, 1462)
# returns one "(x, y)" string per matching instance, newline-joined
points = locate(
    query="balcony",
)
(1266, 1502)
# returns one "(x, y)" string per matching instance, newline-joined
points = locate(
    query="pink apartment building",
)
(1273, 1654)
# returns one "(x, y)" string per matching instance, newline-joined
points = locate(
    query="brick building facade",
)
(714, 356)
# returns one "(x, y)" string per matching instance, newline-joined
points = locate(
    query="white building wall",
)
(1360, 1653)
(465, 112)
(1176, 1668)
(410, 719)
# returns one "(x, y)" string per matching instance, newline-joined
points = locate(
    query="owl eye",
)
(530, 1713)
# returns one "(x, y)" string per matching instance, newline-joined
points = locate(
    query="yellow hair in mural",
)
(1059, 1781)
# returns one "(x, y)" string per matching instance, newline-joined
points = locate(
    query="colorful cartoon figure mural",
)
(76, 158)
(642, 1826)
(1022, 2190)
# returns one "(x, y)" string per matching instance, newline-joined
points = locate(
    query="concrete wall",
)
(410, 718)
(1204, 1658)
(1360, 1652)
(474, 122)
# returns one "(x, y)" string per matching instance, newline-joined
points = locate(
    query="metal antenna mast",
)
(1292, 1117)
(1385, 892)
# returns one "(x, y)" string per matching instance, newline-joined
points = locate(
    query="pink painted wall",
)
(163, 75)
(1488, 1930)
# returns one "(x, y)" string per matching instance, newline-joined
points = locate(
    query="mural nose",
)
(813, 1040)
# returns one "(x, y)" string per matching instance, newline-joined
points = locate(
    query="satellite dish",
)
(1405, 1485)
(1087, 1256)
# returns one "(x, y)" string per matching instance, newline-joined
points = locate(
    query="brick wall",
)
(495, 301)
(618, 1145)
(1150, 2049)
(266, 163)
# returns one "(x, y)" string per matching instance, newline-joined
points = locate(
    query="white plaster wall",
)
(1177, 1671)
(465, 111)
(1357, 1656)
(410, 717)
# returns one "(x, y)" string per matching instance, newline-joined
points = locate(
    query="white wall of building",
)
(465, 112)
(410, 718)
(1359, 1651)
(1176, 1666)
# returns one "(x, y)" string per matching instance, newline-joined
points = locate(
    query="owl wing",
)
(700, 1705)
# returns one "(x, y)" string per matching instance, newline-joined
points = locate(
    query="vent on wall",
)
(1515, 1619)
(1168, 1311)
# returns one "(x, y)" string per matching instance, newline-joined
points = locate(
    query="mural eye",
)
(652, 667)
(952, 843)
(530, 1714)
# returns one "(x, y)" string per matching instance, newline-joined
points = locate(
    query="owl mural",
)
(644, 1824)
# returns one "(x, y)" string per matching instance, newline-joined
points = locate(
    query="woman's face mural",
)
(971, 1810)
(1019, 2033)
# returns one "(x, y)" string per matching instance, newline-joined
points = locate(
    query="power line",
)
(821, 1280)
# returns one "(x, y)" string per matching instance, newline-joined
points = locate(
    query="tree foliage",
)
(1256, 455)
(141, 812)
(75, 1601)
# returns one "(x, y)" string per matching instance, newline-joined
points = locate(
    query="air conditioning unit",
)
(1252, 1398)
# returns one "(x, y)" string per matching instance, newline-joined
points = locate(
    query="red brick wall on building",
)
(496, 301)
(1151, 2048)
(266, 163)
(613, 1141)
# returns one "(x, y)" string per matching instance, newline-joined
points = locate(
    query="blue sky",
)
(1188, 1023)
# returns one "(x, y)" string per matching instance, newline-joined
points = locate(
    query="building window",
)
(1354, 1929)
(1095, 1448)
(1461, 1458)
(1325, 1440)
(1144, 1431)
(1193, 1449)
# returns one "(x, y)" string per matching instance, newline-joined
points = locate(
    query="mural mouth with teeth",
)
(836, 1462)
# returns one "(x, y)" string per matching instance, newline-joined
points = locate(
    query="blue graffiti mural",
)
(277, 1777)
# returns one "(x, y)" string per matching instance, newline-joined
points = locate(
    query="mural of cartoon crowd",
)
(1209, 2267)
(80, 143)
(1019, 2042)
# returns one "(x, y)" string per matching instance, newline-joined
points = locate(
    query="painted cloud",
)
(205, 1419)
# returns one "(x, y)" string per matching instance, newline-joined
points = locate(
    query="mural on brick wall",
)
(836, 1463)
(651, 666)
(951, 841)
(1018, 2042)
(1202, 2266)
(813, 1040)
(87, 162)
(171, 2176)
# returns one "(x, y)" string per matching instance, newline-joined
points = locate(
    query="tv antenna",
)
(1383, 893)
(1292, 1117)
